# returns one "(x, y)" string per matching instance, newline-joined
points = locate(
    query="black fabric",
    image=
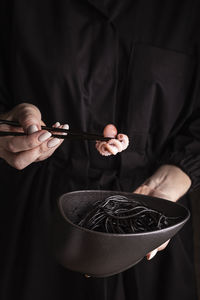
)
(89, 63)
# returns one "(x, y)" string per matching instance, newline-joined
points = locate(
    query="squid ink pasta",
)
(118, 214)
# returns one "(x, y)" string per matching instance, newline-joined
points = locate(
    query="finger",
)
(55, 142)
(27, 142)
(52, 144)
(110, 131)
(56, 125)
(113, 146)
(28, 116)
(151, 254)
(163, 246)
(22, 159)
(149, 191)
(143, 189)
(65, 126)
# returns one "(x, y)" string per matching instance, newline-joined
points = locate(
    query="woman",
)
(88, 63)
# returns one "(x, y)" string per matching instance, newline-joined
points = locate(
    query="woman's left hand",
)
(168, 182)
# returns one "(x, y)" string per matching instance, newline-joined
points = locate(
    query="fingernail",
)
(52, 143)
(45, 136)
(31, 129)
(152, 254)
(65, 126)
(57, 124)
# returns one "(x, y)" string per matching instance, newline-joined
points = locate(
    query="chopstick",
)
(70, 134)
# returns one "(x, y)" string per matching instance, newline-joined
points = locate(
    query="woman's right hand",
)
(37, 145)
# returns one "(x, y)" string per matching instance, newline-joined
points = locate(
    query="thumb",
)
(29, 117)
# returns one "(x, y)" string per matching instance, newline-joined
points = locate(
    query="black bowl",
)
(103, 254)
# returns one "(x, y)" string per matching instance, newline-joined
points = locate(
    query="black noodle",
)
(118, 214)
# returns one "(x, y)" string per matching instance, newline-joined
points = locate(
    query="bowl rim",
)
(106, 234)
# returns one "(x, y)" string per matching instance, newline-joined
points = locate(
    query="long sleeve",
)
(183, 149)
(5, 61)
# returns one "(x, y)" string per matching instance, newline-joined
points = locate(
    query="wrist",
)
(169, 180)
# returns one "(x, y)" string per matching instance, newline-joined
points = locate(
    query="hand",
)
(37, 145)
(168, 182)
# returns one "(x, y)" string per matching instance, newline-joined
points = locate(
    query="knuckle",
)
(28, 118)
(31, 143)
(36, 109)
(21, 106)
(28, 113)
(26, 106)
(30, 108)
(43, 148)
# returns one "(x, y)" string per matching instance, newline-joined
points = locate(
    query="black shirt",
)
(89, 63)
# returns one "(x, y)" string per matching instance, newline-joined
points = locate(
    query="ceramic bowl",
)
(101, 254)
